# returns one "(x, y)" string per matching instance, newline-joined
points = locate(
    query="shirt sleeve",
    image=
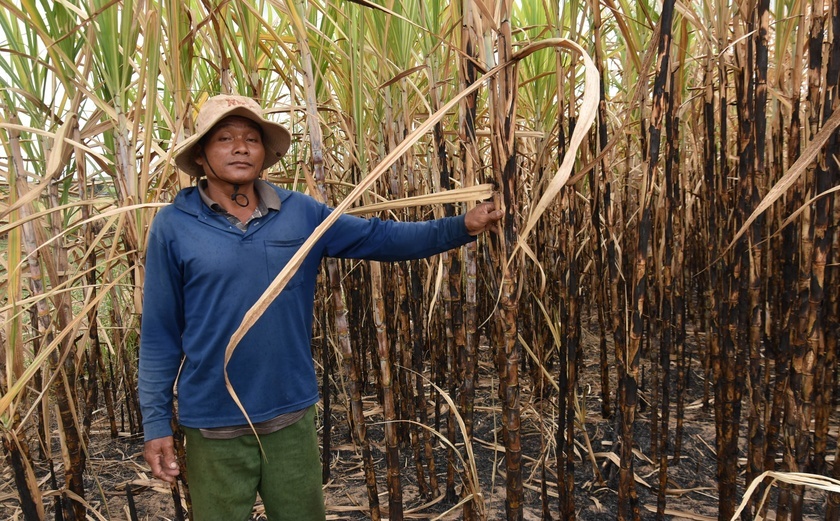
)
(160, 336)
(375, 239)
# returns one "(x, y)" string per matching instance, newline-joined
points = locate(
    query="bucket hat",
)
(276, 138)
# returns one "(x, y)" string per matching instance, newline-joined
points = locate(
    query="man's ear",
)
(198, 156)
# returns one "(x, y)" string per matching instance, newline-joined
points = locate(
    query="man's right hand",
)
(160, 455)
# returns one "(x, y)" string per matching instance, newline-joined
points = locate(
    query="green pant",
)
(225, 475)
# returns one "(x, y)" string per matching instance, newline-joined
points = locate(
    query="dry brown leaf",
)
(456, 195)
(793, 173)
(681, 514)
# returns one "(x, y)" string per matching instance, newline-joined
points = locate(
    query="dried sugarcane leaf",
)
(792, 217)
(436, 293)
(793, 173)
(681, 514)
(75, 497)
(586, 116)
(615, 459)
(456, 195)
(793, 478)
(43, 355)
(55, 162)
(103, 215)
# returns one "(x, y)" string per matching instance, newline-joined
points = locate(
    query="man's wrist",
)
(156, 429)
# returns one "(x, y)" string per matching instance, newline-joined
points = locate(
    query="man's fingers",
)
(160, 455)
(482, 218)
(159, 472)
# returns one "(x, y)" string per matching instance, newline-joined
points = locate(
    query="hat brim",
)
(276, 140)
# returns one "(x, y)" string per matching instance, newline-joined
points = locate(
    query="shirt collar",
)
(267, 194)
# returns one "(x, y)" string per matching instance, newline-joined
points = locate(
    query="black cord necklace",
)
(236, 196)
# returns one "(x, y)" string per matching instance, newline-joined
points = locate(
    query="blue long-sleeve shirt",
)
(203, 275)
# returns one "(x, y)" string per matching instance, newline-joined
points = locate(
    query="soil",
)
(116, 465)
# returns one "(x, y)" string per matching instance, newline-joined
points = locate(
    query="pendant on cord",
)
(240, 199)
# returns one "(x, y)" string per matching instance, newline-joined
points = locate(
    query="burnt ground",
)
(115, 464)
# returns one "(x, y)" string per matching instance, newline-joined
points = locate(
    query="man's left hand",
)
(482, 218)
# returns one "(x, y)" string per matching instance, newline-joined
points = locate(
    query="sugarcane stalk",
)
(565, 481)
(351, 370)
(571, 347)
(628, 361)
(13, 354)
(596, 190)
(94, 352)
(341, 327)
(469, 155)
(453, 308)
(823, 273)
(18, 459)
(132, 507)
(16, 449)
(447, 357)
(412, 390)
(742, 334)
(780, 295)
(807, 331)
(421, 437)
(788, 267)
(392, 452)
(62, 361)
(667, 312)
(829, 391)
(503, 94)
(711, 233)
(468, 355)
(60, 503)
(680, 220)
(453, 324)
(399, 329)
(326, 397)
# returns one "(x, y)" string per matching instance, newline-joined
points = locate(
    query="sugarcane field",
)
(608, 290)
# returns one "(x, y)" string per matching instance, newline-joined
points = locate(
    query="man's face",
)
(234, 150)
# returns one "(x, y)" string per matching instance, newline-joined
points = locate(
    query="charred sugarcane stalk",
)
(508, 352)
(392, 451)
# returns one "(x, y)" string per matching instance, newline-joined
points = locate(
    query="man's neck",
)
(232, 200)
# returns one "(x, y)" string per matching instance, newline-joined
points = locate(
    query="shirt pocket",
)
(278, 253)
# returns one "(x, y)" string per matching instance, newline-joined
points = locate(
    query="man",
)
(211, 255)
